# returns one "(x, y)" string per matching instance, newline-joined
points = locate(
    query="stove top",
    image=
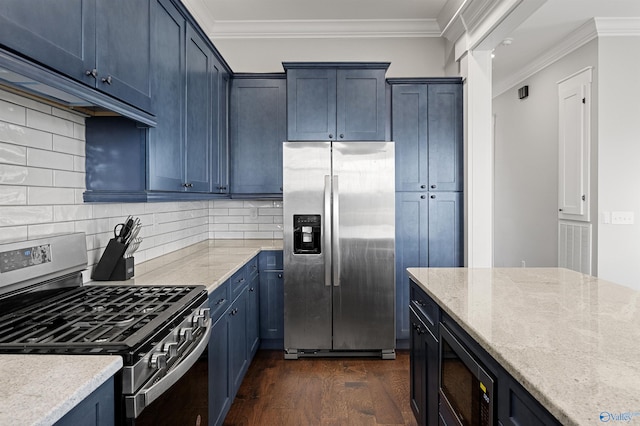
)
(99, 318)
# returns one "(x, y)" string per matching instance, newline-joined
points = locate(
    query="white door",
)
(574, 120)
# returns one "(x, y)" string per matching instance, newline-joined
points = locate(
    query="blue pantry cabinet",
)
(426, 126)
(343, 101)
(272, 300)
(77, 38)
(258, 127)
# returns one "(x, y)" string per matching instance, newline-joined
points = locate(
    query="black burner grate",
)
(94, 318)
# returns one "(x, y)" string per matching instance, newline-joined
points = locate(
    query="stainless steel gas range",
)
(159, 331)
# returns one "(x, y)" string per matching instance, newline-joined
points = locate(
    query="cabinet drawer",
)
(271, 260)
(425, 307)
(238, 282)
(219, 301)
(252, 268)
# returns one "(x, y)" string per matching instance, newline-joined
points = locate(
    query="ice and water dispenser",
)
(306, 234)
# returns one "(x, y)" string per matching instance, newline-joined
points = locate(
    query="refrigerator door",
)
(307, 285)
(363, 246)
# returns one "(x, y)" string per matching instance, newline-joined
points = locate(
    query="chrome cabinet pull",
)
(107, 79)
(92, 73)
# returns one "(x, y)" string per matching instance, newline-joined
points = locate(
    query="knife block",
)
(112, 265)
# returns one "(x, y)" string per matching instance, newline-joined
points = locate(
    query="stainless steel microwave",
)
(466, 390)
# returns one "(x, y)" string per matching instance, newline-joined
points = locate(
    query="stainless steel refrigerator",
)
(339, 249)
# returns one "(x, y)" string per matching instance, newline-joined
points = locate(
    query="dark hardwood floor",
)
(323, 391)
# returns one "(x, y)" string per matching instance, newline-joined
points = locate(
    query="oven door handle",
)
(136, 403)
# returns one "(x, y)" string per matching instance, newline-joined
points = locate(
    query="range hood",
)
(23, 76)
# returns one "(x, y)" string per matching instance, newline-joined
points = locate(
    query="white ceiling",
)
(548, 29)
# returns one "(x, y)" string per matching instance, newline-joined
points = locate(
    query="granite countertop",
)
(41, 389)
(572, 340)
(207, 263)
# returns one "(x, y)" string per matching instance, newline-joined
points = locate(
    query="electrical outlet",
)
(622, 218)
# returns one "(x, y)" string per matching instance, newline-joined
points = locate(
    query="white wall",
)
(42, 178)
(619, 158)
(409, 57)
(526, 165)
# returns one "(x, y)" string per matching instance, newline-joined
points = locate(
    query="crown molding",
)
(593, 28)
(342, 28)
(581, 36)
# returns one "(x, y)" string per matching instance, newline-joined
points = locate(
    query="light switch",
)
(622, 218)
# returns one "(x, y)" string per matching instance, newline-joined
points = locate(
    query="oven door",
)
(162, 399)
(466, 389)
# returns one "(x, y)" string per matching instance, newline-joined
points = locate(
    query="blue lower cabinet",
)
(98, 409)
(271, 300)
(238, 362)
(253, 316)
(219, 383)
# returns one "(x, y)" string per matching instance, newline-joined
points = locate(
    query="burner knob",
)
(158, 360)
(198, 320)
(206, 313)
(171, 349)
(186, 334)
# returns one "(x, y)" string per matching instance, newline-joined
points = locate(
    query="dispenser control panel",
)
(306, 234)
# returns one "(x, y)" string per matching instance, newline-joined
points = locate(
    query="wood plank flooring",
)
(323, 391)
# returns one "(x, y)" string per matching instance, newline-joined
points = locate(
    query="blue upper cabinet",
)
(105, 44)
(336, 101)
(427, 130)
(219, 128)
(166, 149)
(257, 130)
(198, 113)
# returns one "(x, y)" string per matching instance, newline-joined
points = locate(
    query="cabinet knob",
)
(341, 136)
(93, 73)
(559, 210)
(433, 196)
(252, 289)
(187, 185)
(279, 275)
(107, 79)
(330, 136)
(423, 196)
(433, 187)
(423, 186)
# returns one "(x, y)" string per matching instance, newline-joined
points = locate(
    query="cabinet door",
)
(311, 104)
(253, 316)
(123, 50)
(238, 362)
(60, 34)
(412, 236)
(165, 148)
(219, 143)
(418, 369)
(445, 137)
(198, 114)
(272, 305)
(410, 134)
(97, 409)
(219, 384)
(258, 129)
(445, 229)
(361, 105)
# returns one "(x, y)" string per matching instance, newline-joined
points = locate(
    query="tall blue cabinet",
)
(426, 117)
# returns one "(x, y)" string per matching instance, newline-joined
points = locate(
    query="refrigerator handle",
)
(327, 230)
(336, 237)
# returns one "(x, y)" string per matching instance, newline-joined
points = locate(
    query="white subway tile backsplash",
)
(49, 159)
(44, 229)
(49, 123)
(69, 145)
(25, 215)
(38, 195)
(42, 180)
(13, 195)
(20, 135)
(12, 113)
(20, 175)
(69, 179)
(69, 115)
(13, 154)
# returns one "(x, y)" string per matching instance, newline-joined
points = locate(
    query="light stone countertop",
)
(41, 389)
(207, 263)
(572, 340)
